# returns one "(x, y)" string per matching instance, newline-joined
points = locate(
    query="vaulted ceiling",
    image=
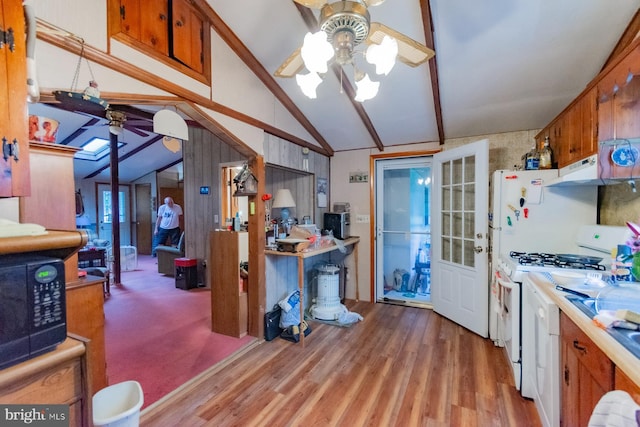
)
(499, 66)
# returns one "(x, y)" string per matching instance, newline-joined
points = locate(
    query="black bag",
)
(292, 333)
(272, 323)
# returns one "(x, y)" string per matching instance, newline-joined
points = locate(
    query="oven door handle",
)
(503, 286)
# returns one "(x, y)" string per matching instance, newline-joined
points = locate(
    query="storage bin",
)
(118, 405)
(186, 273)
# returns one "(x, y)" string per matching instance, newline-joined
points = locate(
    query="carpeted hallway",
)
(159, 335)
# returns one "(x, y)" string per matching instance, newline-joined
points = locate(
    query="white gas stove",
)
(593, 245)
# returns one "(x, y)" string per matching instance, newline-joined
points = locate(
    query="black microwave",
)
(339, 223)
(33, 316)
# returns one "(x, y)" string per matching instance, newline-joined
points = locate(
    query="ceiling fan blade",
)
(315, 4)
(410, 51)
(291, 66)
(136, 131)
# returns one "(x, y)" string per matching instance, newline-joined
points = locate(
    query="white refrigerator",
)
(526, 216)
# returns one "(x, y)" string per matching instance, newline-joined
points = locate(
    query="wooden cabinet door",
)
(623, 382)
(587, 374)
(588, 126)
(188, 29)
(154, 26)
(14, 155)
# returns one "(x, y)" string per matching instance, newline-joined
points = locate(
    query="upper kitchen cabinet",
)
(14, 158)
(619, 100)
(172, 31)
(572, 135)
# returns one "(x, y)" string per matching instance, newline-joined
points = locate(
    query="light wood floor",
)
(399, 367)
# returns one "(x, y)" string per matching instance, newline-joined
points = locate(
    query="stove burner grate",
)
(541, 259)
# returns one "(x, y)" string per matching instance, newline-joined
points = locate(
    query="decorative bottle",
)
(546, 155)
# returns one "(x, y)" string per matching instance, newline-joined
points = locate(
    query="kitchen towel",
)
(615, 409)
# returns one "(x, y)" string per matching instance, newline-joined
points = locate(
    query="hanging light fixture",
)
(344, 25)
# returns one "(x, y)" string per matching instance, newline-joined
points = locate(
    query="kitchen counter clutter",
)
(619, 355)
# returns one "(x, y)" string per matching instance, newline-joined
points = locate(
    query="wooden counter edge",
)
(619, 355)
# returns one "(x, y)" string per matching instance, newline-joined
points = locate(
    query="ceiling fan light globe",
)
(367, 89)
(316, 52)
(383, 55)
(308, 83)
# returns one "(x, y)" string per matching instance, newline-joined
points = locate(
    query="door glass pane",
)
(458, 211)
(107, 213)
(403, 225)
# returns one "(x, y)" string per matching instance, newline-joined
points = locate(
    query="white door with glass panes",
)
(459, 259)
(402, 224)
(105, 217)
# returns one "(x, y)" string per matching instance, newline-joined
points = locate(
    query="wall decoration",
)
(322, 192)
(42, 129)
(355, 177)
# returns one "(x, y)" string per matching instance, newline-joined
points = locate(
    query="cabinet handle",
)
(6, 149)
(15, 150)
(582, 349)
(178, 23)
(566, 375)
(163, 17)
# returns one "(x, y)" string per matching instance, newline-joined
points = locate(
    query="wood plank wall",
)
(285, 162)
(203, 154)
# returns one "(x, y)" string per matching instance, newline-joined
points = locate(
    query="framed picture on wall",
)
(322, 192)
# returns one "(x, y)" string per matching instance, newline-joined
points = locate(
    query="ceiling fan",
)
(347, 24)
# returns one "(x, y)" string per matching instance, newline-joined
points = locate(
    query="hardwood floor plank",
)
(401, 366)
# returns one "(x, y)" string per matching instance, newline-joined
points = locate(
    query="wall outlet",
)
(362, 218)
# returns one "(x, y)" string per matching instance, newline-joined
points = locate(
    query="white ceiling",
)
(502, 65)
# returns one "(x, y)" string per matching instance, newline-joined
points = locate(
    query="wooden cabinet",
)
(165, 29)
(573, 134)
(52, 203)
(14, 154)
(623, 382)
(228, 298)
(587, 374)
(57, 377)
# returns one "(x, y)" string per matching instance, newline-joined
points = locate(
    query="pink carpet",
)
(159, 335)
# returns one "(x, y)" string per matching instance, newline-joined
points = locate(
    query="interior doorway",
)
(402, 201)
(144, 227)
(105, 216)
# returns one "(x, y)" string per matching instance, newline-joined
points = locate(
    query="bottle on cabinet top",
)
(546, 155)
(531, 159)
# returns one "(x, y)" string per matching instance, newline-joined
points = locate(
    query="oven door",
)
(507, 307)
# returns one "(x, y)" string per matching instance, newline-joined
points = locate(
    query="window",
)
(107, 213)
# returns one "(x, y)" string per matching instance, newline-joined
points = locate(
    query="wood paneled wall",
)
(286, 169)
(202, 157)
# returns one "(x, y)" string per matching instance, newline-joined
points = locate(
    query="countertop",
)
(619, 355)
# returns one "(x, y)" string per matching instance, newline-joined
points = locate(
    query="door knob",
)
(477, 249)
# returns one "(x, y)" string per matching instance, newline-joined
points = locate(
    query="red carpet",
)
(159, 335)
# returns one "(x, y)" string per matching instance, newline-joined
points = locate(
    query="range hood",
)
(617, 162)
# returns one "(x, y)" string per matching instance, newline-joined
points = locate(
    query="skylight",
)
(95, 149)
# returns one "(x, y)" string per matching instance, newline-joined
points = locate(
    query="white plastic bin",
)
(118, 405)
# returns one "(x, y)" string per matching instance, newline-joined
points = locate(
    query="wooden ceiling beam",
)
(427, 23)
(265, 77)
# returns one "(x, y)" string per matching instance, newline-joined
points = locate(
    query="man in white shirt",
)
(167, 224)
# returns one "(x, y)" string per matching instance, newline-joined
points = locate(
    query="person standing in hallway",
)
(167, 224)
